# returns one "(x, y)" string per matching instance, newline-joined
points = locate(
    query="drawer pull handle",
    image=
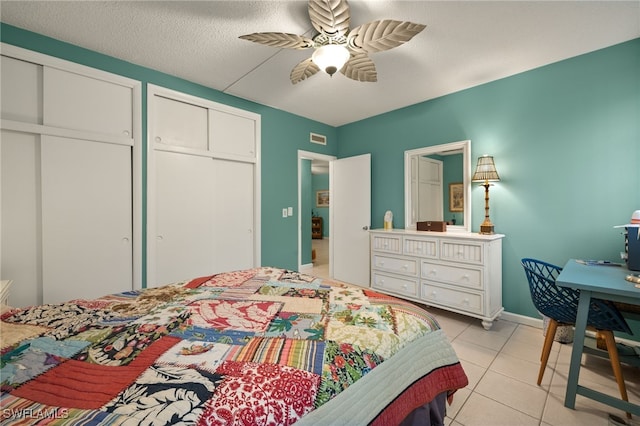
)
(406, 267)
(465, 277)
(432, 272)
(434, 293)
(466, 301)
(405, 286)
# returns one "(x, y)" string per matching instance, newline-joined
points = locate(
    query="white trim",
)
(62, 64)
(307, 155)
(306, 266)
(521, 319)
(538, 323)
(23, 127)
(465, 146)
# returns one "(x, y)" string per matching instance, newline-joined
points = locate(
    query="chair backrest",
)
(561, 303)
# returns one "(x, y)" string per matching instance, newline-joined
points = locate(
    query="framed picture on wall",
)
(456, 197)
(322, 198)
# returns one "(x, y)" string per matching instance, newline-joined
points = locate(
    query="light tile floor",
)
(502, 366)
(321, 262)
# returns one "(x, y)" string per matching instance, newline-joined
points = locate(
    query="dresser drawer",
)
(386, 243)
(459, 276)
(462, 252)
(401, 286)
(395, 264)
(422, 247)
(466, 301)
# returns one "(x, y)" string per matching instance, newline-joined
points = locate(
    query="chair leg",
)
(615, 364)
(546, 348)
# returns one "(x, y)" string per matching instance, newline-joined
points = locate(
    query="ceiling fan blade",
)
(285, 40)
(361, 68)
(378, 36)
(303, 70)
(330, 17)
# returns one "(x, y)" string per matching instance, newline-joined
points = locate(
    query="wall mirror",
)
(437, 185)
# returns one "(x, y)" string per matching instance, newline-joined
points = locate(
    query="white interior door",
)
(350, 212)
(86, 219)
(429, 189)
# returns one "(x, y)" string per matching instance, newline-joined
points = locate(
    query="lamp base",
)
(486, 229)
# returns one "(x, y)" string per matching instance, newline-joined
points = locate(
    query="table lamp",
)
(486, 172)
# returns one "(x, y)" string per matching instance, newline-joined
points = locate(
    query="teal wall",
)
(566, 142)
(321, 183)
(565, 137)
(283, 134)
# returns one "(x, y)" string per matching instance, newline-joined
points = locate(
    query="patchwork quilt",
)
(264, 346)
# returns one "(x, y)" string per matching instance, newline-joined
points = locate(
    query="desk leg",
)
(578, 347)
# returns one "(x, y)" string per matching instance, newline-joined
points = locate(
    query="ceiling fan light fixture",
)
(330, 58)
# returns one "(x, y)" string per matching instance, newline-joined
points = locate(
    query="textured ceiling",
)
(466, 43)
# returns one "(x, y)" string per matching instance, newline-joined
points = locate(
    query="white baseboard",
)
(306, 266)
(536, 322)
(521, 319)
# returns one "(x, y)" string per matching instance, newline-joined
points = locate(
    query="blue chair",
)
(560, 305)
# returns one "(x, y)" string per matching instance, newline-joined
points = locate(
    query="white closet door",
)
(232, 134)
(180, 124)
(20, 229)
(184, 217)
(86, 219)
(234, 214)
(21, 90)
(74, 101)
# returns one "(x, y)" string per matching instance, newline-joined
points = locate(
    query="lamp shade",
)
(485, 170)
(330, 58)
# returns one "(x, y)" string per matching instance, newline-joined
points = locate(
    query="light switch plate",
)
(284, 212)
(290, 211)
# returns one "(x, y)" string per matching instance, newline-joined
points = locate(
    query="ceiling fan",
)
(336, 46)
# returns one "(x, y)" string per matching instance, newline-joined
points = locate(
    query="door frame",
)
(308, 155)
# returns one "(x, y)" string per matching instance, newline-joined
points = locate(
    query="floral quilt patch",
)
(344, 365)
(241, 315)
(285, 395)
(165, 395)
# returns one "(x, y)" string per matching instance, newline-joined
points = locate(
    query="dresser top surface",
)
(460, 235)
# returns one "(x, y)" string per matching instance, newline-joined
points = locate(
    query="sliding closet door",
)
(203, 192)
(21, 219)
(234, 215)
(184, 217)
(86, 218)
(71, 190)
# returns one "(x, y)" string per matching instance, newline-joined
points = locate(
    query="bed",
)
(264, 346)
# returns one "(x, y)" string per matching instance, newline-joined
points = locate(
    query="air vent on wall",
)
(319, 139)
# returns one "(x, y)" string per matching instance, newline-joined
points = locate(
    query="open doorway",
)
(313, 213)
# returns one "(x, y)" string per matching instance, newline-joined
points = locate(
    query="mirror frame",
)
(465, 148)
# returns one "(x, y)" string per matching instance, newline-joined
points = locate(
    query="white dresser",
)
(456, 271)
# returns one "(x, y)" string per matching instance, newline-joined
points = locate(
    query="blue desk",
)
(602, 282)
